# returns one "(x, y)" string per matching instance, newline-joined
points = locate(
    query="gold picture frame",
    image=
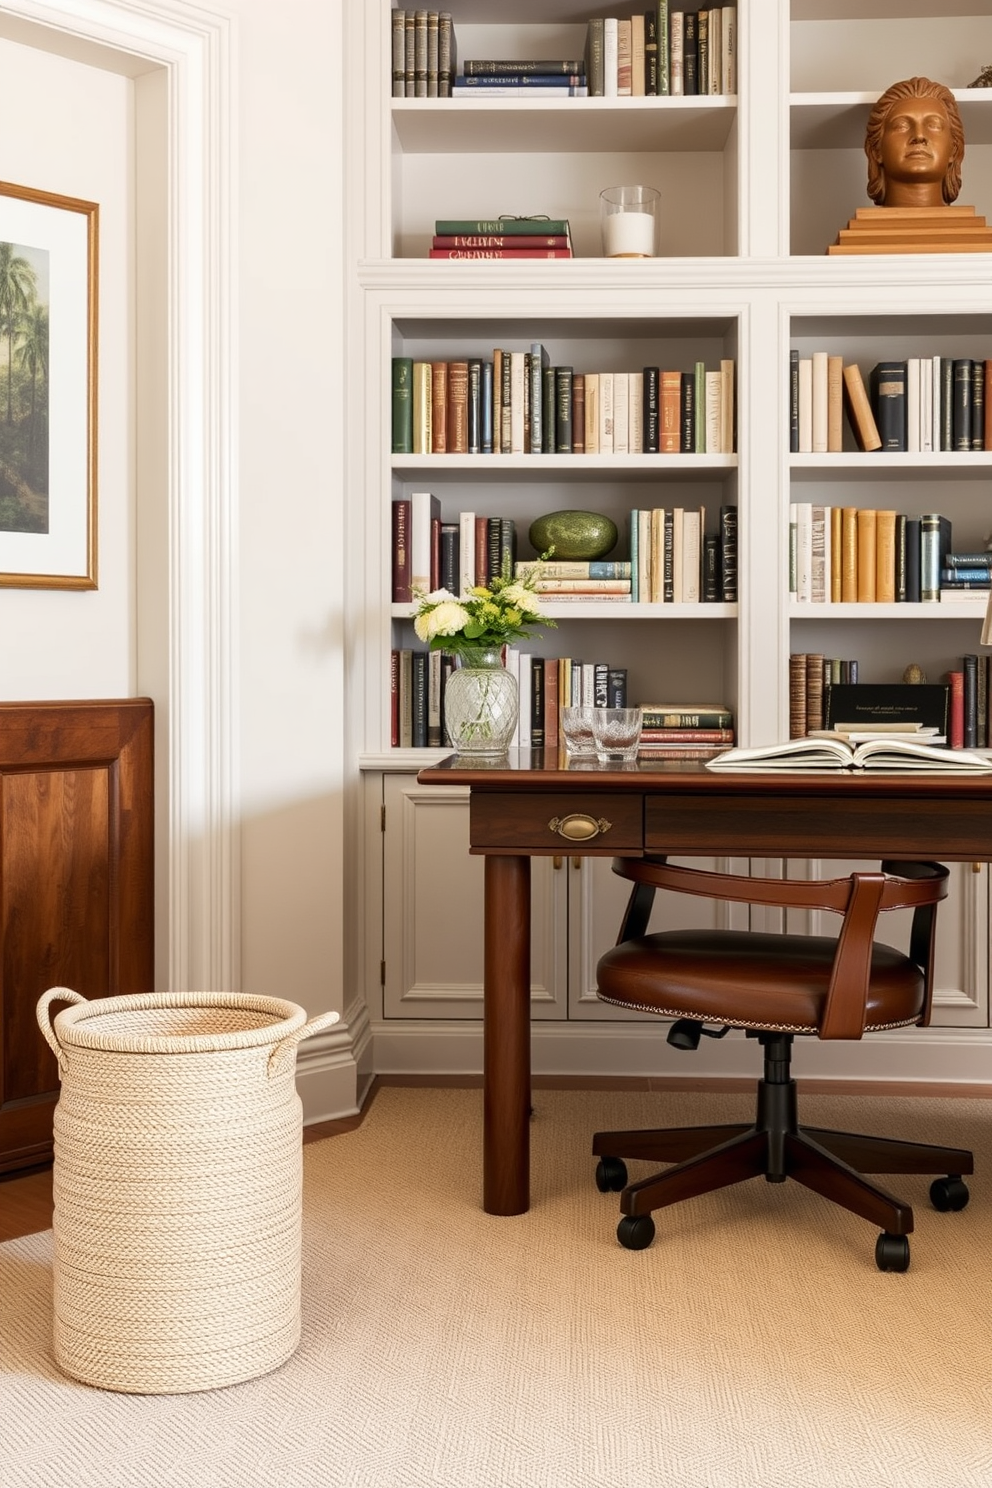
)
(48, 389)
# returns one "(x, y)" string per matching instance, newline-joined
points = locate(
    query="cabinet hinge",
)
(382, 818)
(382, 973)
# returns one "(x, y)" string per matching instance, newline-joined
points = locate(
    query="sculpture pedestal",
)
(914, 230)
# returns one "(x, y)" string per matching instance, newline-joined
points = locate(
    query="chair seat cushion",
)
(751, 980)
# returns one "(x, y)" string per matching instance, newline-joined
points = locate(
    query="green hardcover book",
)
(595, 77)
(664, 52)
(508, 226)
(402, 405)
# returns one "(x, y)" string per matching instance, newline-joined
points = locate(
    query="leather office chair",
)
(777, 986)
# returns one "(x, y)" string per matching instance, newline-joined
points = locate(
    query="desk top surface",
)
(543, 770)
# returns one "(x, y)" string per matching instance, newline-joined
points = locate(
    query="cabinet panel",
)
(433, 911)
(76, 886)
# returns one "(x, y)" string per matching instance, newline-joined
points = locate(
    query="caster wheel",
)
(635, 1231)
(949, 1193)
(892, 1252)
(611, 1175)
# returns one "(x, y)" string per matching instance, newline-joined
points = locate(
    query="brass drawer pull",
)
(579, 828)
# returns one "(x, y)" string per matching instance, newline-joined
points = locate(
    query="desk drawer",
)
(586, 822)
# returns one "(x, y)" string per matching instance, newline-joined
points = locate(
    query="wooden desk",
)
(521, 808)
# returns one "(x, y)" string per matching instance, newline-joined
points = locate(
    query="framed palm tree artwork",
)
(48, 363)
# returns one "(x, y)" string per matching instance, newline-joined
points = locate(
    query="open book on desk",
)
(826, 753)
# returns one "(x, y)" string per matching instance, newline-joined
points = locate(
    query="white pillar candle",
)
(629, 235)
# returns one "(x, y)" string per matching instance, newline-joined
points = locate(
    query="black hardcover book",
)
(616, 687)
(563, 410)
(946, 403)
(690, 52)
(728, 554)
(869, 703)
(447, 667)
(420, 663)
(652, 409)
(711, 568)
(600, 685)
(982, 730)
(505, 405)
(969, 665)
(913, 591)
(961, 404)
(494, 547)
(507, 545)
(687, 395)
(888, 395)
(651, 53)
(668, 558)
(450, 546)
(794, 402)
(475, 406)
(537, 702)
(978, 405)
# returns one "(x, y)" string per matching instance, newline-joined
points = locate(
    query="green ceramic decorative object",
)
(574, 535)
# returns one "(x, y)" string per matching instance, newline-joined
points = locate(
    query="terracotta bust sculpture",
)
(915, 145)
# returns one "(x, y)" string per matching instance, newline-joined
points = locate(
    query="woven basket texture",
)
(178, 1187)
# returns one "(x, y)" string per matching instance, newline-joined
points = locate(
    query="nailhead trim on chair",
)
(656, 1012)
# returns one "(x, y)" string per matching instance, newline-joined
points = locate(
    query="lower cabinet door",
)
(433, 910)
(961, 993)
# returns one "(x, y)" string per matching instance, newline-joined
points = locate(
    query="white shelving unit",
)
(755, 187)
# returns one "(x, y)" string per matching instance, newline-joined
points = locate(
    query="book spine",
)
(690, 53)
(670, 431)
(472, 255)
(439, 408)
(402, 586)
(611, 44)
(652, 409)
(418, 700)
(402, 405)
(676, 33)
(835, 404)
(506, 226)
(659, 716)
(888, 385)
(434, 736)
(450, 576)
(432, 63)
(955, 710)
(578, 413)
(867, 537)
(409, 61)
(849, 554)
(399, 53)
(961, 416)
(422, 408)
(859, 413)
(446, 53)
(728, 553)
(794, 402)
(969, 670)
(560, 67)
(913, 560)
(650, 54)
(537, 736)
(595, 73)
(664, 50)
(797, 695)
(486, 408)
(457, 432)
(406, 698)
(394, 696)
(616, 687)
(885, 557)
(977, 405)
(563, 410)
(728, 24)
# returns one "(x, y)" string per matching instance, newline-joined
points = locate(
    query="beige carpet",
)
(754, 1343)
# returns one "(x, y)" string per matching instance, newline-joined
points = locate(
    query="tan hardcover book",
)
(797, 695)
(836, 555)
(670, 421)
(814, 691)
(637, 55)
(592, 413)
(849, 554)
(422, 408)
(644, 556)
(621, 413)
(635, 413)
(714, 81)
(726, 406)
(714, 413)
(623, 58)
(819, 403)
(657, 555)
(835, 404)
(677, 541)
(439, 407)
(606, 413)
(867, 532)
(859, 412)
(578, 413)
(458, 408)
(885, 557)
(728, 67)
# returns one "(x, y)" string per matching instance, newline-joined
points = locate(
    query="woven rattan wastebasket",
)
(178, 1187)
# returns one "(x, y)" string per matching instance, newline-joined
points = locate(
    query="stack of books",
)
(963, 575)
(511, 238)
(574, 580)
(685, 731)
(424, 54)
(559, 77)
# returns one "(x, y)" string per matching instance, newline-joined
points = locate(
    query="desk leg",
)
(506, 1074)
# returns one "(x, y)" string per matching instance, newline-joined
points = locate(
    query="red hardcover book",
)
(506, 253)
(402, 571)
(670, 425)
(439, 408)
(955, 710)
(518, 242)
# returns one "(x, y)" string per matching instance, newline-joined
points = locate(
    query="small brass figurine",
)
(915, 146)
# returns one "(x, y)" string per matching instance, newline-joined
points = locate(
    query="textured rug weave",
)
(755, 1342)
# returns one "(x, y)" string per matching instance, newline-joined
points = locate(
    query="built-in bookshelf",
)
(755, 187)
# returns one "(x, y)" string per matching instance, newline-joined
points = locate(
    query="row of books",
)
(510, 238)
(969, 725)
(918, 404)
(810, 674)
(517, 403)
(424, 54)
(667, 51)
(673, 559)
(848, 554)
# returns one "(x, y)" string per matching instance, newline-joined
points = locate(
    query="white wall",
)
(66, 128)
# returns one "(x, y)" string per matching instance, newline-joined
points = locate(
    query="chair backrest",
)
(858, 897)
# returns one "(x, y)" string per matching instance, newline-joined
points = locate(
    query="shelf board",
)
(604, 610)
(837, 121)
(883, 10)
(576, 126)
(971, 609)
(575, 467)
(965, 465)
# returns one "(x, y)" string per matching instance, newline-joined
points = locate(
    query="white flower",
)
(521, 598)
(446, 618)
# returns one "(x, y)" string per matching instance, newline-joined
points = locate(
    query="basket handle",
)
(55, 994)
(283, 1052)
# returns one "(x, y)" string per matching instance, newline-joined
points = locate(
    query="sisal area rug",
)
(755, 1342)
